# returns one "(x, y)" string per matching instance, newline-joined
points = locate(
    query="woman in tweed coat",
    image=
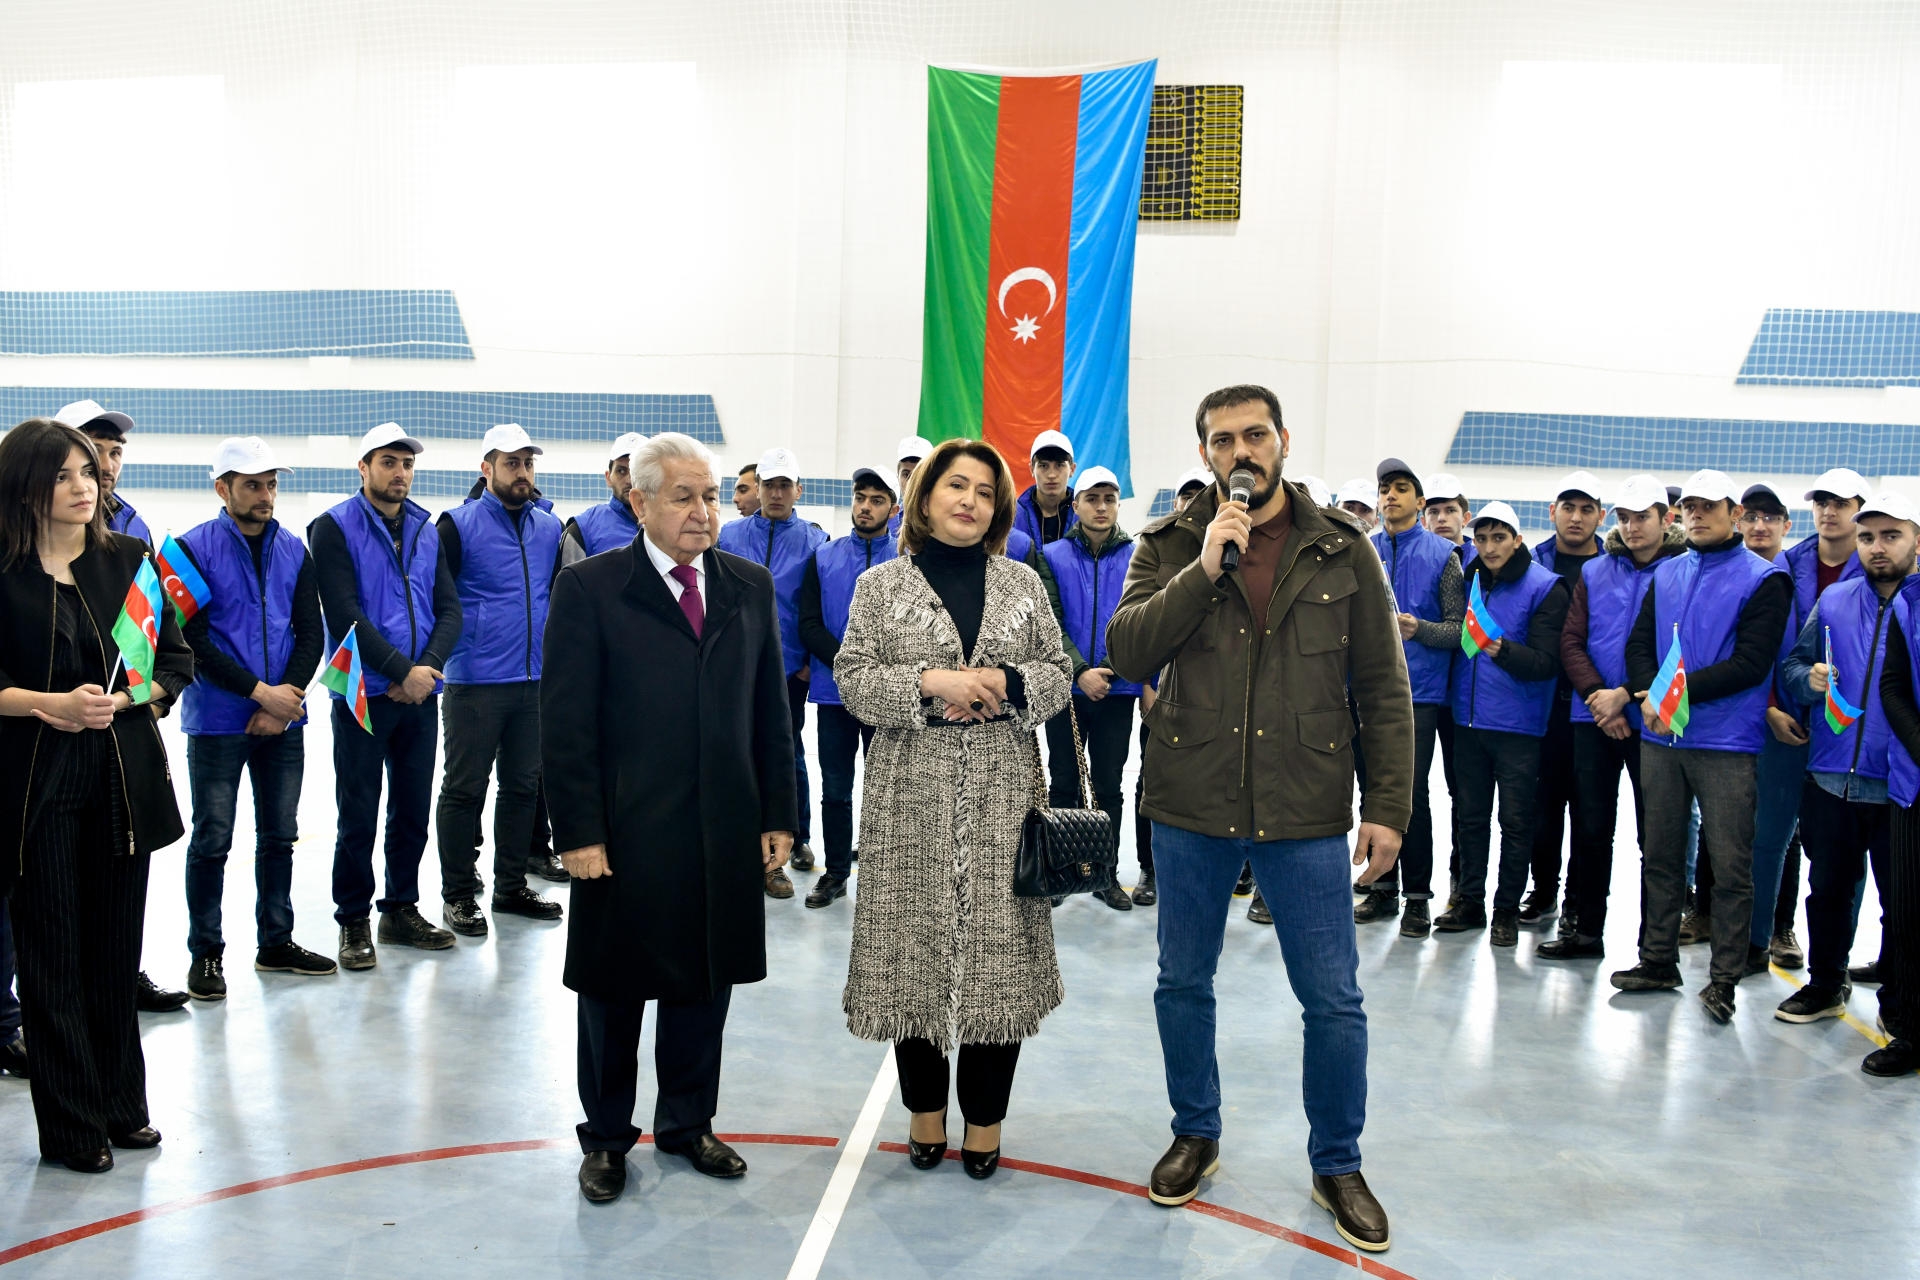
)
(953, 655)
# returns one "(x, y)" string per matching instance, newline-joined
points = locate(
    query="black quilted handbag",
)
(1065, 851)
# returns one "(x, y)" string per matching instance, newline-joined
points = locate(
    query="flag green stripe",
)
(963, 121)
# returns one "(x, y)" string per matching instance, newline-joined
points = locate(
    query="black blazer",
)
(676, 754)
(102, 573)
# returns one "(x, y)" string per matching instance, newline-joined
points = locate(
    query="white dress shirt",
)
(665, 565)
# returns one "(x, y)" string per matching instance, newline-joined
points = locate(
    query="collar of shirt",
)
(663, 564)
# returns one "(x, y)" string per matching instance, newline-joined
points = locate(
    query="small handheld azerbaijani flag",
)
(343, 675)
(1668, 696)
(1479, 629)
(180, 580)
(1840, 713)
(136, 632)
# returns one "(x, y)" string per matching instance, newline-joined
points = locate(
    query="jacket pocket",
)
(1325, 731)
(1321, 614)
(1179, 728)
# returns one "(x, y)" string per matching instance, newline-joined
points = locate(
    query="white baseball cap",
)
(912, 447)
(1585, 483)
(78, 414)
(1497, 511)
(1841, 482)
(1050, 440)
(1316, 489)
(624, 446)
(246, 456)
(778, 464)
(1444, 486)
(508, 437)
(1888, 502)
(1198, 475)
(1714, 486)
(1094, 476)
(1638, 493)
(1360, 489)
(386, 435)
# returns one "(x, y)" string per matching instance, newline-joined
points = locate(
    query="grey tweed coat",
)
(942, 949)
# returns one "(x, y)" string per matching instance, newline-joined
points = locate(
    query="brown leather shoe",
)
(1357, 1216)
(778, 886)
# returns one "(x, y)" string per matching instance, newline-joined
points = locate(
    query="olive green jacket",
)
(1252, 737)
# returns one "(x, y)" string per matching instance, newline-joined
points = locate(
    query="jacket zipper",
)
(126, 797)
(1093, 615)
(266, 656)
(769, 560)
(53, 638)
(1860, 738)
(526, 586)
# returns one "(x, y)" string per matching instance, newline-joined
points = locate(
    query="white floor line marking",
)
(853, 1154)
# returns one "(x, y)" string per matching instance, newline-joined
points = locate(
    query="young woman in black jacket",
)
(85, 793)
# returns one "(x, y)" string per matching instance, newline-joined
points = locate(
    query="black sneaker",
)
(525, 902)
(148, 997)
(1461, 917)
(1786, 950)
(1246, 885)
(205, 981)
(1144, 894)
(1717, 1000)
(356, 945)
(1758, 960)
(1413, 921)
(1506, 927)
(404, 927)
(1570, 946)
(1865, 975)
(1257, 910)
(1116, 897)
(802, 859)
(1812, 1003)
(1378, 905)
(826, 890)
(548, 867)
(1540, 907)
(463, 916)
(1899, 1058)
(1648, 977)
(286, 957)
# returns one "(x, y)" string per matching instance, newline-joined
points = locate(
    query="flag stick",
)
(119, 660)
(324, 665)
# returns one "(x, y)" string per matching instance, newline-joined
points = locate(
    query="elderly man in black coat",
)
(668, 760)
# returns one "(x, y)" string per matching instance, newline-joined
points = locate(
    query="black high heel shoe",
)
(928, 1155)
(979, 1164)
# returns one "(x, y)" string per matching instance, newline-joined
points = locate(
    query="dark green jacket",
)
(1252, 737)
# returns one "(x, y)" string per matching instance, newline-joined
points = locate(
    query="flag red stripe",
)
(1670, 701)
(1478, 632)
(1039, 126)
(342, 662)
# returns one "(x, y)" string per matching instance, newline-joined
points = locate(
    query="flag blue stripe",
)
(182, 565)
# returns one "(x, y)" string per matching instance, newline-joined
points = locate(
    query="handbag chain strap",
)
(1079, 758)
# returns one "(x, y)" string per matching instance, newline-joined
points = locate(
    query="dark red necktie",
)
(690, 603)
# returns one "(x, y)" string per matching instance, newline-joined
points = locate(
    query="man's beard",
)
(1265, 486)
(1892, 573)
(512, 495)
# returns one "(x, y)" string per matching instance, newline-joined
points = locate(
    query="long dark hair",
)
(31, 455)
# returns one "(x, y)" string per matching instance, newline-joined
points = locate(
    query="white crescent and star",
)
(1027, 328)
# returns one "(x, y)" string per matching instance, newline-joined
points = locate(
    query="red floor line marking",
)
(72, 1234)
(1234, 1216)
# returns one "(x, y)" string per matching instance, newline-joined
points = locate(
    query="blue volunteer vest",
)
(506, 569)
(1484, 695)
(1026, 515)
(1802, 560)
(1616, 589)
(126, 520)
(607, 527)
(1414, 561)
(839, 563)
(249, 617)
(396, 591)
(1903, 774)
(1852, 612)
(1089, 589)
(1705, 594)
(784, 547)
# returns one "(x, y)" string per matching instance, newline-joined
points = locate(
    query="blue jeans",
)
(1308, 887)
(402, 745)
(9, 1003)
(1777, 782)
(214, 763)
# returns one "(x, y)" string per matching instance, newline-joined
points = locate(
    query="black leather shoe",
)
(826, 890)
(1570, 946)
(1357, 1216)
(149, 998)
(1899, 1058)
(356, 945)
(404, 927)
(463, 916)
(1647, 977)
(90, 1161)
(1144, 894)
(145, 1138)
(1176, 1178)
(206, 980)
(1377, 905)
(1506, 927)
(1245, 885)
(548, 867)
(603, 1176)
(1115, 897)
(1867, 975)
(927, 1155)
(289, 957)
(13, 1057)
(802, 857)
(1414, 921)
(980, 1165)
(525, 902)
(709, 1155)
(1462, 916)
(1717, 999)
(1257, 911)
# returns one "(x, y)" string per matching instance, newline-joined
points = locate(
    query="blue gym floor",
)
(1525, 1119)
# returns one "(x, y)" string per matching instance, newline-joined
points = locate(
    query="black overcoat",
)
(674, 753)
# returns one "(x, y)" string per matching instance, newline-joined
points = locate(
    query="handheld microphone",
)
(1239, 489)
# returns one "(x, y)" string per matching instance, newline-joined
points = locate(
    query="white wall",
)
(1427, 229)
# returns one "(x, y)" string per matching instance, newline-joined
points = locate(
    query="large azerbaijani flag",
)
(1033, 195)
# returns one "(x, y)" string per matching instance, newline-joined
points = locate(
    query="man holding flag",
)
(249, 607)
(1836, 667)
(1699, 659)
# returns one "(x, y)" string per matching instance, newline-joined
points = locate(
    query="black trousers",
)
(1413, 873)
(841, 738)
(686, 1068)
(985, 1078)
(1485, 760)
(1900, 945)
(1142, 825)
(797, 712)
(402, 745)
(78, 912)
(489, 727)
(1788, 901)
(1106, 727)
(9, 1003)
(1671, 780)
(1597, 762)
(1557, 793)
(1842, 837)
(1445, 734)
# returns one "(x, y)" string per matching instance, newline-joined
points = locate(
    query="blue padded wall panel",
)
(1676, 447)
(1797, 347)
(420, 324)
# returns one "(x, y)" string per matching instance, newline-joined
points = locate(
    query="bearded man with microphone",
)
(1261, 610)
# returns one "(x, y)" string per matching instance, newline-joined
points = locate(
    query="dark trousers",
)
(1142, 824)
(1556, 794)
(488, 726)
(78, 912)
(1106, 727)
(1413, 873)
(985, 1075)
(1445, 734)
(686, 1068)
(1842, 836)
(1485, 760)
(541, 845)
(803, 793)
(275, 764)
(841, 738)
(1671, 779)
(402, 745)
(1900, 937)
(9, 1003)
(1788, 901)
(1597, 762)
